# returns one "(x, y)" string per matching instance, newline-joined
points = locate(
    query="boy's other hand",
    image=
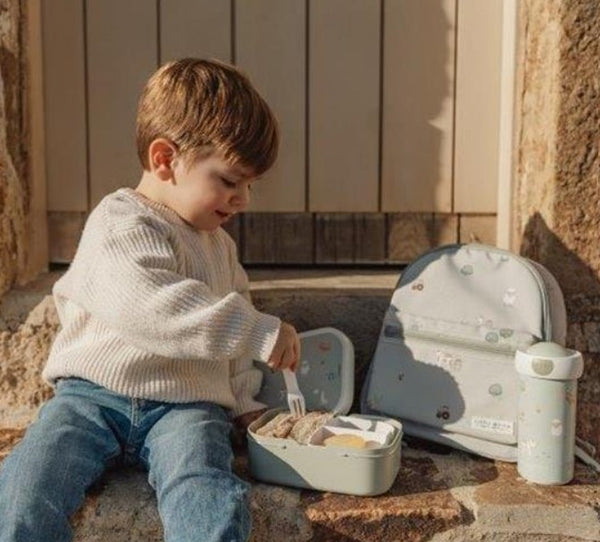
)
(286, 352)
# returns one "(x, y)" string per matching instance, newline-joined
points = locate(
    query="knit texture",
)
(154, 309)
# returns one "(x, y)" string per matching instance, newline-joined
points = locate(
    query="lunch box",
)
(326, 378)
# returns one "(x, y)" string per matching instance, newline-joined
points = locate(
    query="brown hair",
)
(205, 106)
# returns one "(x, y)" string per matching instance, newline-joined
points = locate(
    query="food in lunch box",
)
(348, 441)
(307, 425)
(284, 425)
(279, 427)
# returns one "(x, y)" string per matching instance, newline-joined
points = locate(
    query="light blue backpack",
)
(444, 363)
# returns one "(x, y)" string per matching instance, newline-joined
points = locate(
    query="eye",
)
(228, 183)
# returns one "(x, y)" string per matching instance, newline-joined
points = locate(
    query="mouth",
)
(224, 216)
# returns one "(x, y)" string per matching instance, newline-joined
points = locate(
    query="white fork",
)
(295, 398)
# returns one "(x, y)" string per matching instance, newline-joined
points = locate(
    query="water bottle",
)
(548, 376)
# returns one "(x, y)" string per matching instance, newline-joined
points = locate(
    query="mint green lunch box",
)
(326, 378)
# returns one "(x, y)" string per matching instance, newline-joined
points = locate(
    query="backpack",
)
(444, 362)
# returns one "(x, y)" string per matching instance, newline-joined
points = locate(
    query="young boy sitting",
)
(155, 355)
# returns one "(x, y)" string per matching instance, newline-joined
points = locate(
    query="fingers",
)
(275, 359)
(286, 352)
(287, 360)
(295, 353)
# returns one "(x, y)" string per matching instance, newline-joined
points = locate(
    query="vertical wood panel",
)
(64, 104)
(418, 105)
(198, 28)
(37, 229)
(478, 229)
(64, 233)
(411, 234)
(278, 238)
(122, 54)
(350, 238)
(271, 49)
(344, 49)
(477, 105)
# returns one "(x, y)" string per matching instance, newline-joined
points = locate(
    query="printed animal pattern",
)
(319, 376)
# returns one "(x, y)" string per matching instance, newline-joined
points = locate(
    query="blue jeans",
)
(84, 428)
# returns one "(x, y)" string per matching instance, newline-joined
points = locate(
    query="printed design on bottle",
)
(522, 386)
(466, 270)
(570, 396)
(506, 333)
(528, 446)
(443, 412)
(542, 366)
(556, 427)
(418, 286)
(510, 297)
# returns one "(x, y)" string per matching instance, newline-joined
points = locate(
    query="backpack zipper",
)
(546, 320)
(508, 349)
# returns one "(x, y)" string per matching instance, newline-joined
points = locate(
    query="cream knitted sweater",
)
(152, 308)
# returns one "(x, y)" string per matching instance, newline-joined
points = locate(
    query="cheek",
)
(204, 201)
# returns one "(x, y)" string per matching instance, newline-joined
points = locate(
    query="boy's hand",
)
(286, 352)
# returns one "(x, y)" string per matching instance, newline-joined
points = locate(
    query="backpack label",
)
(491, 425)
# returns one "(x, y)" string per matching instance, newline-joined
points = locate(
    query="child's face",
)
(208, 192)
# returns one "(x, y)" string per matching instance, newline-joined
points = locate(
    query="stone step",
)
(440, 494)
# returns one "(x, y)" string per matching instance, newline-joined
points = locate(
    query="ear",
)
(161, 153)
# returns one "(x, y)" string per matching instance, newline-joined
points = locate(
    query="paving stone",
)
(511, 504)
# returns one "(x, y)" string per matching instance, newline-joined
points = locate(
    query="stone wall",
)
(23, 243)
(557, 196)
(13, 189)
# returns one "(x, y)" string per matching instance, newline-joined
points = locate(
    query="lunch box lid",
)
(325, 374)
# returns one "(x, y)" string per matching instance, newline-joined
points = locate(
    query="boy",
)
(158, 333)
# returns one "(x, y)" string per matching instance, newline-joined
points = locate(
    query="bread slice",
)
(279, 427)
(305, 427)
(284, 425)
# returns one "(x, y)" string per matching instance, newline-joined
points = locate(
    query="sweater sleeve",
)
(240, 279)
(134, 288)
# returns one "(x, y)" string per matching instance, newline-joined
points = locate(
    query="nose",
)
(241, 198)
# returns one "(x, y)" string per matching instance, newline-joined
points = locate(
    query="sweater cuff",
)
(263, 337)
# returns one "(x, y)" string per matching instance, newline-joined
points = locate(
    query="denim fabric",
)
(185, 448)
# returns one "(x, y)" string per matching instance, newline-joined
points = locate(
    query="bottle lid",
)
(549, 360)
